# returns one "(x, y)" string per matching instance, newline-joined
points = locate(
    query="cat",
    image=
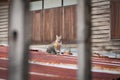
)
(54, 47)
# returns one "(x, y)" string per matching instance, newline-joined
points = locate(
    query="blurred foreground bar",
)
(84, 39)
(19, 39)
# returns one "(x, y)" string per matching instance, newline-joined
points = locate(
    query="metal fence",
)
(19, 40)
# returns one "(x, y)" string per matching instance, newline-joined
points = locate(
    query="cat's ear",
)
(56, 36)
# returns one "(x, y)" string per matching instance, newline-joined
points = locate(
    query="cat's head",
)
(58, 39)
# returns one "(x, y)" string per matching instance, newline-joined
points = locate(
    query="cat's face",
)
(58, 38)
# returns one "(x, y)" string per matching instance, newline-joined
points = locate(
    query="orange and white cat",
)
(55, 47)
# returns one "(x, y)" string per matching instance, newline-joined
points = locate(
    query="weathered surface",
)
(3, 22)
(44, 66)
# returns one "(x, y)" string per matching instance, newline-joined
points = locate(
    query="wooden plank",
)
(3, 33)
(4, 17)
(4, 7)
(100, 20)
(98, 49)
(3, 20)
(101, 44)
(100, 36)
(106, 44)
(4, 30)
(37, 26)
(100, 28)
(52, 23)
(101, 32)
(101, 16)
(69, 23)
(101, 24)
(4, 39)
(4, 23)
(101, 11)
(3, 10)
(101, 7)
(101, 3)
(3, 14)
(3, 26)
(101, 40)
(115, 48)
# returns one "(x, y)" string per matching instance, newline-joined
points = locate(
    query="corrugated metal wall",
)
(3, 22)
